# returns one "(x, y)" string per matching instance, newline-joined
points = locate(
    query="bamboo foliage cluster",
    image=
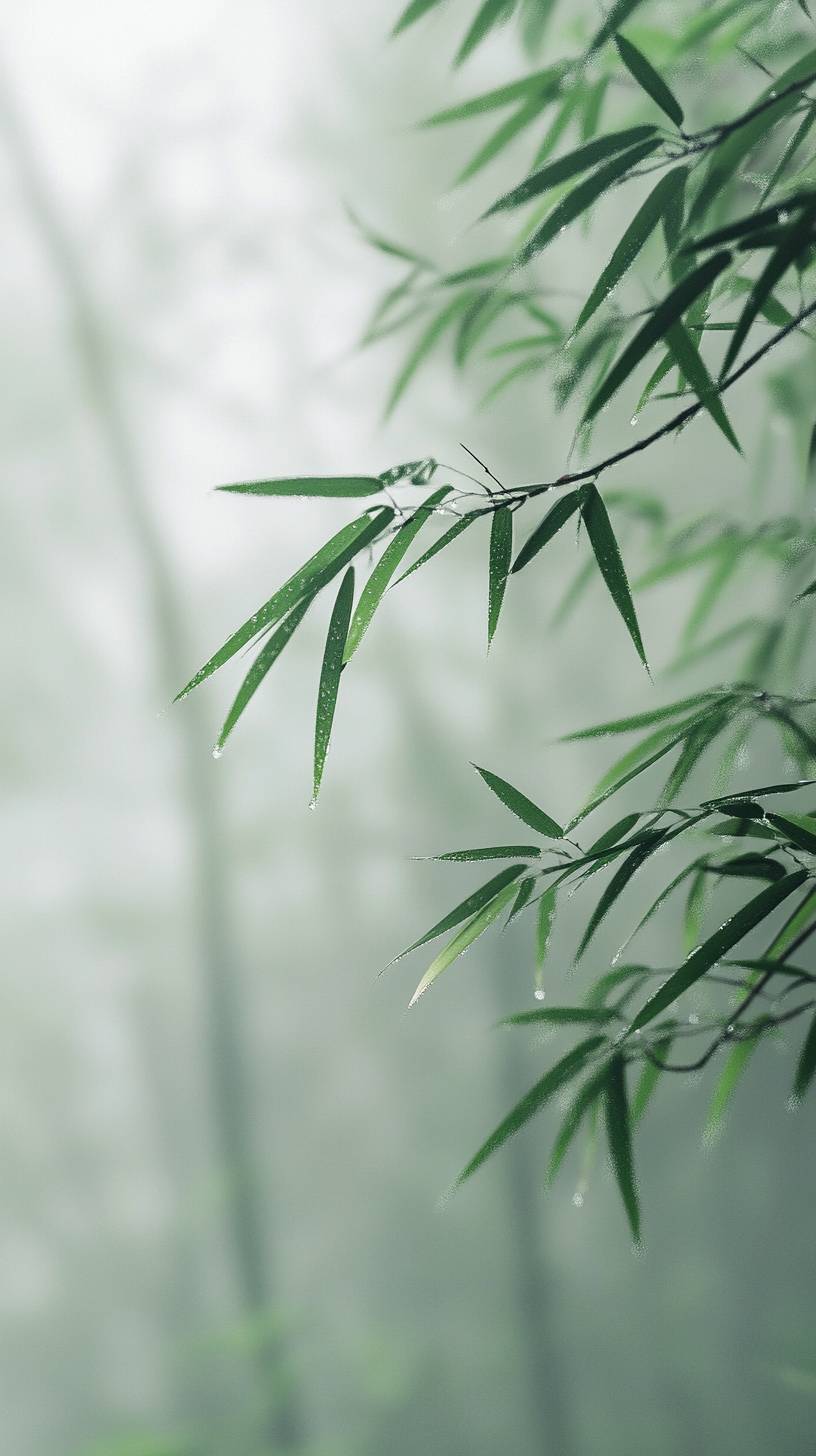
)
(718, 258)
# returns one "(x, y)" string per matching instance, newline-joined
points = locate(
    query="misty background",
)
(225, 1144)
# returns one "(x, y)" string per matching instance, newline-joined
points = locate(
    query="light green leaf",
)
(570, 165)
(490, 14)
(501, 552)
(584, 1100)
(464, 939)
(715, 947)
(561, 1016)
(539, 1095)
(544, 926)
(647, 77)
(582, 198)
(735, 1065)
(330, 675)
(610, 563)
(326, 563)
(634, 239)
(471, 905)
(520, 805)
(414, 12)
(649, 1078)
(656, 327)
(340, 485)
(422, 348)
(377, 583)
(544, 84)
(269, 654)
(444, 540)
(619, 1136)
(640, 720)
(497, 851)
(524, 116)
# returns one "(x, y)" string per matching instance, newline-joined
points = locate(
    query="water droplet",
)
(217, 752)
(633, 421)
(578, 1200)
(730, 1030)
(313, 805)
(540, 995)
(694, 1019)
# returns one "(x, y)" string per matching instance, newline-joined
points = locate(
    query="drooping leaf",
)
(490, 14)
(521, 118)
(639, 720)
(633, 976)
(377, 583)
(647, 77)
(544, 926)
(464, 939)
(619, 1135)
(498, 851)
(690, 360)
(539, 1095)
(330, 675)
(634, 239)
(797, 237)
(649, 1078)
(585, 1099)
(326, 563)
(582, 198)
(564, 508)
(523, 896)
(471, 905)
(570, 165)
(715, 947)
(413, 12)
(501, 552)
(807, 1063)
(616, 16)
(422, 348)
(385, 245)
(520, 805)
(543, 84)
(656, 327)
(789, 152)
(610, 563)
(618, 884)
(340, 485)
(735, 1065)
(444, 540)
(269, 654)
(796, 828)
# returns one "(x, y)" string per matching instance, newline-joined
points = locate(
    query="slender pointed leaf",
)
(690, 360)
(269, 654)
(616, 16)
(490, 14)
(340, 485)
(377, 583)
(464, 939)
(471, 905)
(544, 926)
(330, 675)
(607, 554)
(501, 552)
(634, 239)
(544, 84)
(619, 1136)
(807, 1063)
(585, 1099)
(735, 1065)
(570, 165)
(797, 238)
(414, 12)
(561, 1016)
(564, 508)
(647, 77)
(498, 851)
(582, 198)
(444, 540)
(520, 805)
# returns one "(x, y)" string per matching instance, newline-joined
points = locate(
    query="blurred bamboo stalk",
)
(248, 1223)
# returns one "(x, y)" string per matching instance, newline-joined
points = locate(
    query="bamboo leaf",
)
(619, 1136)
(490, 14)
(807, 1063)
(326, 563)
(616, 17)
(377, 583)
(330, 675)
(582, 198)
(414, 12)
(269, 654)
(796, 240)
(524, 116)
(544, 926)
(639, 720)
(690, 361)
(564, 508)
(544, 84)
(648, 1079)
(471, 905)
(618, 884)
(584, 1100)
(579, 160)
(735, 1065)
(715, 947)
(520, 805)
(561, 1016)
(422, 348)
(501, 552)
(647, 77)
(539, 1095)
(464, 939)
(637, 234)
(348, 485)
(444, 540)
(656, 327)
(498, 851)
(610, 564)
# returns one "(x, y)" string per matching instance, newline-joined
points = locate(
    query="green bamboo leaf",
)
(377, 583)
(422, 348)
(520, 805)
(754, 222)
(637, 234)
(269, 654)
(807, 1063)
(797, 238)
(545, 84)
(612, 837)
(693, 749)
(471, 905)
(444, 540)
(647, 77)
(616, 17)
(539, 1095)
(655, 906)
(619, 1137)
(389, 248)
(611, 980)
(340, 485)
(792, 147)
(649, 1078)
(735, 1065)
(584, 1100)
(535, 18)
(610, 563)
(751, 866)
(796, 828)
(414, 12)
(521, 118)
(464, 939)
(601, 794)
(570, 165)
(690, 361)
(561, 1016)
(490, 14)
(544, 926)
(656, 327)
(501, 552)
(618, 884)
(497, 851)
(715, 947)
(326, 563)
(564, 508)
(582, 198)
(330, 675)
(640, 720)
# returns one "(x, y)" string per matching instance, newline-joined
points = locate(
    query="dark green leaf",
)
(330, 675)
(618, 884)
(489, 15)
(269, 654)
(754, 222)
(501, 552)
(585, 1099)
(544, 925)
(520, 805)
(561, 1016)
(498, 851)
(615, 18)
(326, 563)
(607, 554)
(570, 165)
(349, 485)
(689, 359)
(713, 949)
(646, 76)
(564, 508)
(471, 905)
(582, 197)
(444, 540)
(619, 1135)
(377, 583)
(464, 939)
(553, 1080)
(797, 238)
(796, 828)
(656, 327)
(634, 239)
